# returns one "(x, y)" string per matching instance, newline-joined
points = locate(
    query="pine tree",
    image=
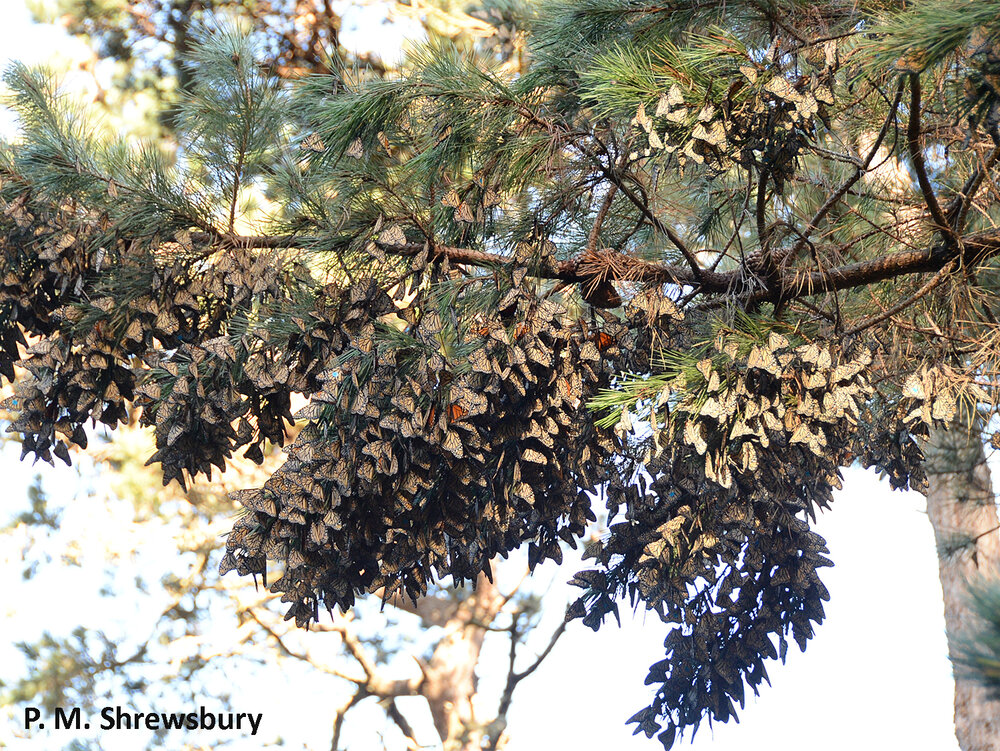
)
(692, 261)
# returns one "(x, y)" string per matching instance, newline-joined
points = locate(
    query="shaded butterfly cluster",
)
(234, 390)
(891, 434)
(763, 121)
(713, 533)
(166, 323)
(429, 459)
(75, 373)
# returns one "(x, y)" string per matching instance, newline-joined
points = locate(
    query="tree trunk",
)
(450, 684)
(962, 510)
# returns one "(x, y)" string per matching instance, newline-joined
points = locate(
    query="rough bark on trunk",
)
(962, 510)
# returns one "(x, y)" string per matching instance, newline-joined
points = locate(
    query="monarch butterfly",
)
(525, 493)
(292, 515)
(313, 142)
(603, 340)
(332, 520)
(317, 533)
(384, 140)
(479, 362)
(776, 341)
(431, 323)
(762, 359)
(456, 412)
(588, 351)
(393, 236)
(356, 150)
(815, 380)
(464, 214)
(166, 322)
(815, 441)
(535, 457)
(453, 444)
(944, 407)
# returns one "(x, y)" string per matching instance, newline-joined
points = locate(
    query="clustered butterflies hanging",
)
(715, 532)
(71, 379)
(194, 397)
(713, 537)
(416, 464)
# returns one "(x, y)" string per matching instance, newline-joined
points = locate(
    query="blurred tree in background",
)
(689, 258)
(140, 44)
(209, 631)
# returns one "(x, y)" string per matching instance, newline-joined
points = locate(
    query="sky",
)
(875, 676)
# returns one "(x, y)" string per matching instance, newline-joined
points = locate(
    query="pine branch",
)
(931, 283)
(963, 201)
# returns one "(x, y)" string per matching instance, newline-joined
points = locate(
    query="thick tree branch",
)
(933, 282)
(977, 248)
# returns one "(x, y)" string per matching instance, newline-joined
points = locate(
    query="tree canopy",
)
(686, 260)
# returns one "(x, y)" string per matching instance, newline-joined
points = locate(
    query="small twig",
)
(931, 283)
(356, 649)
(393, 713)
(545, 652)
(505, 598)
(289, 652)
(595, 231)
(737, 227)
(338, 721)
(917, 157)
(972, 185)
(514, 677)
(658, 225)
(838, 194)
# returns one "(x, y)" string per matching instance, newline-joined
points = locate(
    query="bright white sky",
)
(876, 675)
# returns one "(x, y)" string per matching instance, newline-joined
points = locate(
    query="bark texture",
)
(962, 510)
(450, 683)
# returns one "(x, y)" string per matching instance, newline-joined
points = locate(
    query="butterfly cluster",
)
(713, 531)
(764, 119)
(435, 441)
(430, 459)
(71, 377)
(891, 435)
(233, 391)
